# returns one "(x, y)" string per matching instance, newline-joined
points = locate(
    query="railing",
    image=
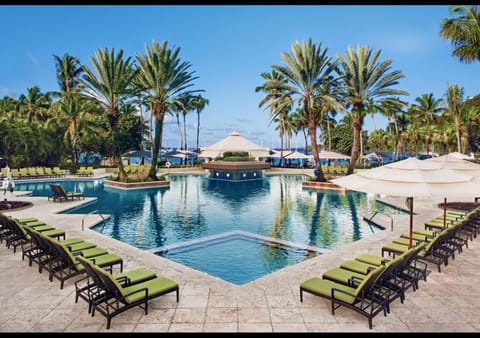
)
(381, 213)
(104, 220)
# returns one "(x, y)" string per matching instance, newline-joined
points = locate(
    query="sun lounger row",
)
(368, 284)
(85, 171)
(105, 291)
(34, 172)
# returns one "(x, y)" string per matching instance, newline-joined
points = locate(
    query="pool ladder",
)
(104, 220)
(370, 220)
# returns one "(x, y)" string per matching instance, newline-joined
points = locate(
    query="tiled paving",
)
(447, 302)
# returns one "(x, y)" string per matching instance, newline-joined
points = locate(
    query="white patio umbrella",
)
(454, 162)
(296, 155)
(331, 155)
(412, 178)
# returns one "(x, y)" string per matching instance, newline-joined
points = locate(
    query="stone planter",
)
(136, 185)
(323, 186)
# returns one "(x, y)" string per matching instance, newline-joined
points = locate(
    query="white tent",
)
(234, 142)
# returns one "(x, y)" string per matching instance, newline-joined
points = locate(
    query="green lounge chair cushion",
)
(344, 276)
(54, 233)
(69, 241)
(372, 259)
(356, 266)
(79, 246)
(395, 247)
(156, 286)
(28, 220)
(102, 260)
(33, 224)
(324, 287)
(93, 252)
(42, 228)
(135, 276)
(406, 241)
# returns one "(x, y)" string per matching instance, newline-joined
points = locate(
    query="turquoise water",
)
(195, 206)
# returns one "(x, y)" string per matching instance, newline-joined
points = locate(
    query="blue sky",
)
(229, 46)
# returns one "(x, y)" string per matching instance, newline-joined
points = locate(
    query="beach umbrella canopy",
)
(331, 155)
(412, 178)
(296, 155)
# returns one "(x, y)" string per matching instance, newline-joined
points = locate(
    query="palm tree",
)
(307, 68)
(184, 104)
(164, 76)
(424, 113)
(34, 105)
(392, 109)
(110, 84)
(69, 71)
(199, 104)
(456, 108)
(463, 32)
(276, 101)
(365, 81)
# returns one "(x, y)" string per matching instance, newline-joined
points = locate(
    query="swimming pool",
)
(196, 207)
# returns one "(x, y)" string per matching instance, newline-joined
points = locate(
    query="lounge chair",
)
(360, 299)
(39, 251)
(59, 194)
(18, 236)
(66, 265)
(434, 251)
(412, 270)
(118, 298)
(91, 287)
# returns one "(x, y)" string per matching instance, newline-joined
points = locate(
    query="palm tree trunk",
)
(457, 133)
(198, 129)
(313, 140)
(180, 141)
(185, 133)
(157, 144)
(357, 130)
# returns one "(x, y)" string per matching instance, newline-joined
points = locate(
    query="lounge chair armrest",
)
(124, 280)
(354, 281)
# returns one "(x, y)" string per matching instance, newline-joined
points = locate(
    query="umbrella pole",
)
(444, 212)
(410, 206)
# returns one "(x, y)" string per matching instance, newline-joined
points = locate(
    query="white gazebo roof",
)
(234, 142)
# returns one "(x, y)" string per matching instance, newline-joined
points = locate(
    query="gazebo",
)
(235, 170)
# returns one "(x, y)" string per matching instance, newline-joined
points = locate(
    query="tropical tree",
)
(34, 104)
(163, 75)
(457, 110)
(392, 110)
(306, 68)
(199, 103)
(424, 113)
(365, 81)
(68, 71)
(463, 31)
(109, 83)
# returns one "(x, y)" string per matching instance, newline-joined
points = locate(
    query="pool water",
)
(194, 207)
